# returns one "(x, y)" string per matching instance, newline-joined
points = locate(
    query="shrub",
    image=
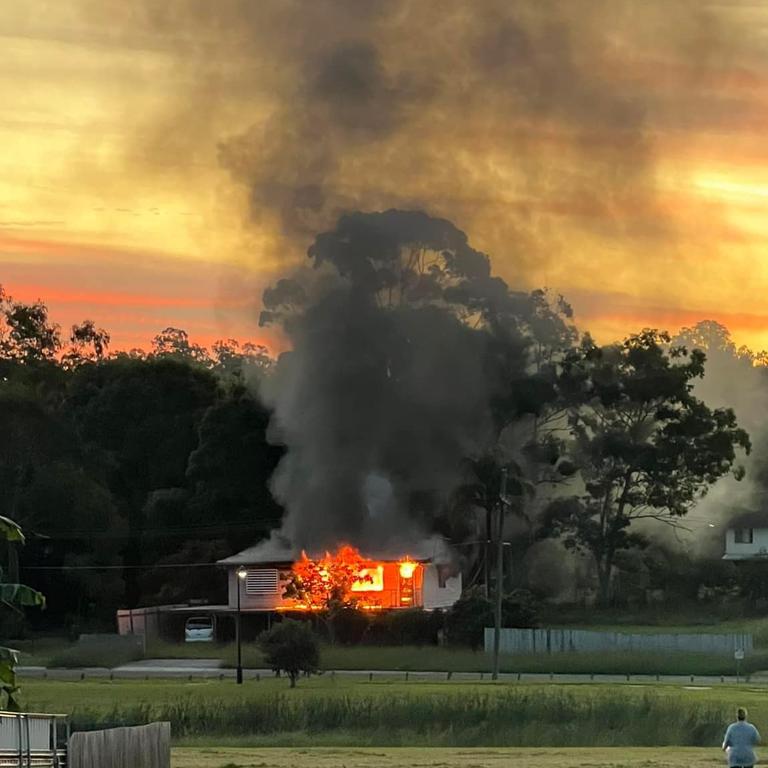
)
(349, 625)
(291, 647)
(520, 609)
(406, 627)
(99, 651)
(466, 620)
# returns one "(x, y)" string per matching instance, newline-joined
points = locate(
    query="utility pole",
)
(499, 574)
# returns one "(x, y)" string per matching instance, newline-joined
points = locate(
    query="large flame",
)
(348, 577)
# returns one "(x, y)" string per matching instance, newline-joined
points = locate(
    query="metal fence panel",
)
(537, 641)
(144, 746)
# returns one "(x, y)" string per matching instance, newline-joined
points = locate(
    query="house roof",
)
(749, 519)
(278, 549)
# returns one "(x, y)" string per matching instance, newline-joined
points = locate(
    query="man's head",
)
(741, 713)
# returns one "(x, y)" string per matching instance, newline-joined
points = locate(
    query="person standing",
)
(739, 741)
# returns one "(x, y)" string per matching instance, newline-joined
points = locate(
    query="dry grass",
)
(664, 757)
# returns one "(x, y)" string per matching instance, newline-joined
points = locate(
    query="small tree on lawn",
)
(291, 647)
(645, 446)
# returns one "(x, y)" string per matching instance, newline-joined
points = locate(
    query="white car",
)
(199, 629)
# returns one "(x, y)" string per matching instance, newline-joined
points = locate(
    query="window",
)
(743, 535)
(261, 581)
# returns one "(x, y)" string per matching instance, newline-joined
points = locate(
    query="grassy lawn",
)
(670, 757)
(59, 652)
(338, 713)
(405, 658)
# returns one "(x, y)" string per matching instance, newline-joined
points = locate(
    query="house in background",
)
(746, 537)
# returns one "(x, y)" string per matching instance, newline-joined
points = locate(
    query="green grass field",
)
(340, 713)
(224, 757)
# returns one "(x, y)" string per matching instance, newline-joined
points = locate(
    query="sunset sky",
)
(162, 162)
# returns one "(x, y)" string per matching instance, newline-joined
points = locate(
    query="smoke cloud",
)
(540, 127)
(386, 389)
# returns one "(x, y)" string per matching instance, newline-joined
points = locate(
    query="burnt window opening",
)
(744, 535)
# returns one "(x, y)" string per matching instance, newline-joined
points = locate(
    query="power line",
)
(115, 567)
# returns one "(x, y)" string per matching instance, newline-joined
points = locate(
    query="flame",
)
(348, 576)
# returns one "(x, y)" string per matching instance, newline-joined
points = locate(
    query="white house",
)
(427, 577)
(747, 537)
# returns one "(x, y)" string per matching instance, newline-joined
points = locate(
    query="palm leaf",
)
(21, 596)
(10, 531)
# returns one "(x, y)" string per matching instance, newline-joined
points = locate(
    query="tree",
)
(229, 469)
(143, 416)
(291, 647)
(175, 343)
(238, 363)
(28, 336)
(15, 597)
(87, 344)
(647, 449)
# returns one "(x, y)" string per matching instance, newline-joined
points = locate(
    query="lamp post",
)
(242, 572)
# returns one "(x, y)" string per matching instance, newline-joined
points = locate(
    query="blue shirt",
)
(741, 736)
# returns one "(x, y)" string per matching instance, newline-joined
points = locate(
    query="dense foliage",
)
(119, 465)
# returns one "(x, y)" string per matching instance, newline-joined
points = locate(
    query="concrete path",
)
(211, 669)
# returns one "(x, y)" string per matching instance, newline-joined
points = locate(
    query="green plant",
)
(291, 647)
(16, 597)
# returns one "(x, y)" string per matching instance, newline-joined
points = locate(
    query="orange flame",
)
(348, 577)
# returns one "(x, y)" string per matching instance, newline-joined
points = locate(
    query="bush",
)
(520, 609)
(291, 647)
(99, 651)
(405, 627)
(348, 626)
(466, 620)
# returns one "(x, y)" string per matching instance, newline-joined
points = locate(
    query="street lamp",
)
(242, 573)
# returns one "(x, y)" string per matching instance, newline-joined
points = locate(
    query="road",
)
(209, 669)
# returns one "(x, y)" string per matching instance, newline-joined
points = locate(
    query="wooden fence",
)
(144, 746)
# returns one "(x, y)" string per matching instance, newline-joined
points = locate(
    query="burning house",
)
(426, 577)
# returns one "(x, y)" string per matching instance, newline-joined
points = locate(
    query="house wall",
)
(269, 602)
(435, 595)
(758, 547)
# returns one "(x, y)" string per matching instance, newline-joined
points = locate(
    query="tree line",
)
(127, 470)
(131, 472)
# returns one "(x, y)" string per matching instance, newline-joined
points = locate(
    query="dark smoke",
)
(523, 120)
(386, 389)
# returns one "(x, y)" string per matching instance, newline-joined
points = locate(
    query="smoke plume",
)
(540, 126)
(386, 388)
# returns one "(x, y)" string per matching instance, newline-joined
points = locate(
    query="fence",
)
(542, 641)
(32, 740)
(144, 746)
